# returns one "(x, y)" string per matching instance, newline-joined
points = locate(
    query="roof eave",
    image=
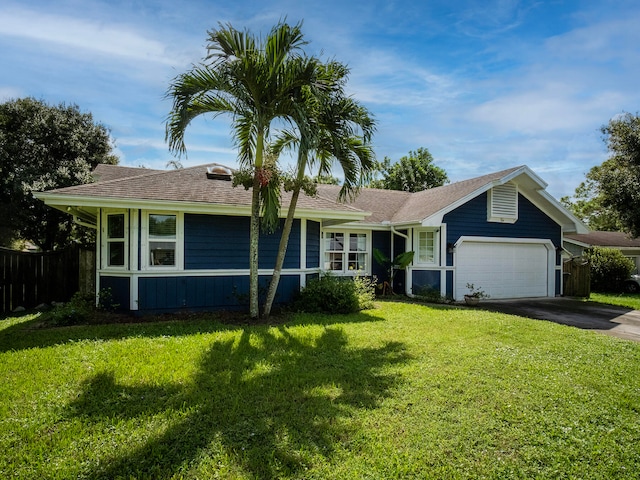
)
(62, 202)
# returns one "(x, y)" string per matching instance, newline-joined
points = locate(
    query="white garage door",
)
(503, 270)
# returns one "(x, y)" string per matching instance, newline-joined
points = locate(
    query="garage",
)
(513, 268)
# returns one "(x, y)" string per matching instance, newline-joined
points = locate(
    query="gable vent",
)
(503, 203)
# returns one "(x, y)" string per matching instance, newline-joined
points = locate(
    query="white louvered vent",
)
(503, 203)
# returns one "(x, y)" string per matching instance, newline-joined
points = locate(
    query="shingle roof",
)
(381, 203)
(105, 172)
(182, 185)
(606, 239)
(404, 207)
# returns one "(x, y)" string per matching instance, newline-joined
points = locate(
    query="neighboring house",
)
(179, 239)
(630, 247)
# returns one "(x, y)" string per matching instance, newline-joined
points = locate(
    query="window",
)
(115, 238)
(162, 240)
(426, 247)
(503, 203)
(346, 252)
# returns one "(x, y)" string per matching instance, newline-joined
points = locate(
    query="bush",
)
(332, 294)
(609, 268)
(81, 308)
(76, 311)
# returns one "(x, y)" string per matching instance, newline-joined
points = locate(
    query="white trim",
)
(303, 243)
(55, 199)
(104, 241)
(134, 222)
(345, 252)
(179, 242)
(437, 258)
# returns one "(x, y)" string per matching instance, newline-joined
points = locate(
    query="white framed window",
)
(347, 252)
(115, 236)
(427, 245)
(162, 240)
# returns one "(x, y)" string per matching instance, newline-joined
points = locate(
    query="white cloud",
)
(83, 34)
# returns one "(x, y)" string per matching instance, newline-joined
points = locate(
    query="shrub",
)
(81, 307)
(609, 268)
(74, 312)
(332, 294)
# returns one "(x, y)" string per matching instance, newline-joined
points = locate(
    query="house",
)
(576, 243)
(179, 239)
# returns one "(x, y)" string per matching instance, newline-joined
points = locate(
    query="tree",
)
(44, 147)
(331, 126)
(412, 173)
(255, 81)
(617, 180)
(587, 206)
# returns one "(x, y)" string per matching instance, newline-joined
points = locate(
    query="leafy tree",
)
(255, 81)
(331, 127)
(412, 173)
(44, 147)
(618, 178)
(586, 205)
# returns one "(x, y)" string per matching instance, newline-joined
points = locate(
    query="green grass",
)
(401, 391)
(630, 300)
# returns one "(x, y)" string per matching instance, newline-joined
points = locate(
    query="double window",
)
(158, 236)
(346, 252)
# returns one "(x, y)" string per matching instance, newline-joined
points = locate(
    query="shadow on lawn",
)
(37, 334)
(265, 404)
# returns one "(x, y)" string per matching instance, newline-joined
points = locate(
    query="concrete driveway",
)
(616, 321)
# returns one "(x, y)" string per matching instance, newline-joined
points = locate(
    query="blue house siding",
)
(231, 292)
(471, 219)
(313, 244)
(222, 242)
(120, 290)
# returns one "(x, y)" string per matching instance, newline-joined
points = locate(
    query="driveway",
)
(616, 321)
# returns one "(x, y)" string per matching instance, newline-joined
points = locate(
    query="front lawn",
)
(630, 300)
(401, 391)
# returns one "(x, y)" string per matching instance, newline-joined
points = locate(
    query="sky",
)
(484, 85)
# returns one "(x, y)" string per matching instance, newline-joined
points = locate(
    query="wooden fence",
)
(29, 279)
(577, 278)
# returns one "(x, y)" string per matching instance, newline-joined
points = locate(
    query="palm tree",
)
(256, 81)
(331, 127)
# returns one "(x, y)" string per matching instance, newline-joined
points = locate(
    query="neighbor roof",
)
(606, 239)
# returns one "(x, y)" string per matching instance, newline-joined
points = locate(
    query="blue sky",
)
(483, 84)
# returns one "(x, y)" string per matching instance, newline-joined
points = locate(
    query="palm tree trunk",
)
(254, 235)
(254, 230)
(282, 251)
